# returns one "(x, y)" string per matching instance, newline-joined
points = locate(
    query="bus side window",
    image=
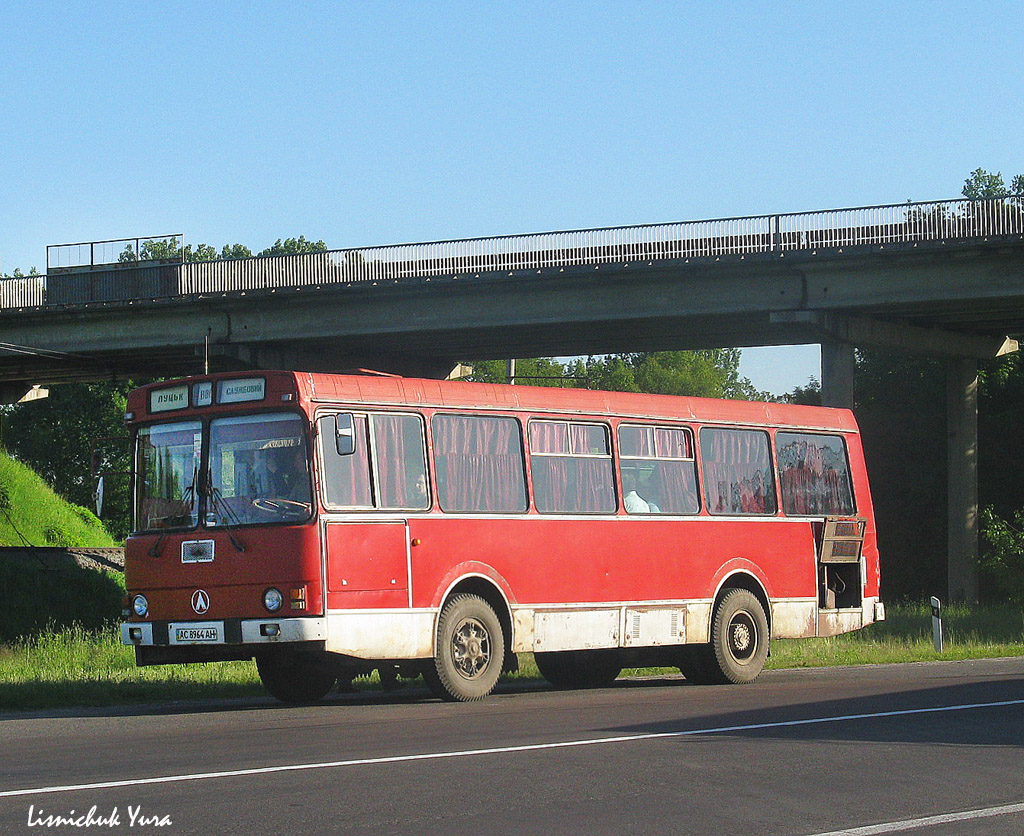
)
(738, 474)
(346, 477)
(659, 473)
(572, 468)
(814, 473)
(479, 463)
(398, 449)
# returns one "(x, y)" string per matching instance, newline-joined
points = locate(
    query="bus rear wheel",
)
(295, 677)
(568, 669)
(470, 651)
(739, 640)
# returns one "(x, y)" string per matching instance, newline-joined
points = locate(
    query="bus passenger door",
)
(367, 564)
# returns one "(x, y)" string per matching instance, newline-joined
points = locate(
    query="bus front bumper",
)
(232, 631)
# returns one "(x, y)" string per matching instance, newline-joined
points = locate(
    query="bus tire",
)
(295, 677)
(739, 639)
(470, 650)
(569, 669)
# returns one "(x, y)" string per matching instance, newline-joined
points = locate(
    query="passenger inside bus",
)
(418, 491)
(632, 501)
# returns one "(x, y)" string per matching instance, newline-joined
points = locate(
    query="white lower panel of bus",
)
(619, 625)
(409, 634)
(381, 634)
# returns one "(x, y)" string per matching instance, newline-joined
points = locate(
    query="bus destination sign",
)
(164, 400)
(239, 391)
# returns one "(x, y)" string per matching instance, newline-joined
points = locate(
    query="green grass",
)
(78, 667)
(32, 514)
(906, 636)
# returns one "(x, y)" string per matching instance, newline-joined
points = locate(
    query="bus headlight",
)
(273, 599)
(140, 605)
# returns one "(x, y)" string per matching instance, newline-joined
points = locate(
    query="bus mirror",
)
(344, 434)
(99, 497)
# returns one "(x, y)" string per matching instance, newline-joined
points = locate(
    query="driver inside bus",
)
(287, 474)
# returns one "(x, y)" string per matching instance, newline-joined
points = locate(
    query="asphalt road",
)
(798, 753)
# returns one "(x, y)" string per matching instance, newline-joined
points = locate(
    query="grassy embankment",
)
(33, 515)
(43, 594)
(76, 667)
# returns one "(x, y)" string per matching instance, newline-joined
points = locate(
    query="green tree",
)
(982, 184)
(711, 374)
(55, 437)
(202, 252)
(808, 395)
(235, 251)
(900, 407)
(294, 246)
(535, 371)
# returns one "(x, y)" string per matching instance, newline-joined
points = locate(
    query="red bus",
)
(326, 525)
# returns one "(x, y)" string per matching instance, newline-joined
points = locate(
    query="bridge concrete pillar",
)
(837, 366)
(962, 477)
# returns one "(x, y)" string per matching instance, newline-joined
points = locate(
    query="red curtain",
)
(479, 463)
(737, 472)
(389, 446)
(809, 484)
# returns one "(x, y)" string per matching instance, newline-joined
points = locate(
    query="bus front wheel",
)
(470, 651)
(295, 677)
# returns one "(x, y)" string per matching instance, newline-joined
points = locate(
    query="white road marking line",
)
(926, 821)
(500, 750)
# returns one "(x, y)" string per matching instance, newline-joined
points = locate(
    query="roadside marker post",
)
(937, 624)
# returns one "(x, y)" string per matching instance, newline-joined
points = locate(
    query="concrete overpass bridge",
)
(943, 278)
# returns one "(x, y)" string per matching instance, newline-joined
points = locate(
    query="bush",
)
(38, 597)
(1002, 556)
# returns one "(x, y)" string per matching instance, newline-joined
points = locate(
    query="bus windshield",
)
(259, 471)
(169, 467)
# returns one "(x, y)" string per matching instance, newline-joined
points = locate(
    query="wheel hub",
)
(742, 637)
(471, 648)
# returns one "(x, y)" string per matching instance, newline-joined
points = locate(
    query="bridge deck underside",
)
(976, 289)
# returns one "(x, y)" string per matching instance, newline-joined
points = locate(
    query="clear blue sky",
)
(373, 123)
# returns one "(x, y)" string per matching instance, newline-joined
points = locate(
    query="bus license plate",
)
(205, 634)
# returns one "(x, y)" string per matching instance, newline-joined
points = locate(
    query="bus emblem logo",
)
(200, 601)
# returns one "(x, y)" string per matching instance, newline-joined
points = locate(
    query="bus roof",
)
(387, 390)
(463, 395)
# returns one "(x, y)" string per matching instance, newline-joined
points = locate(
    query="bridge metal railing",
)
(29, 292)
(120, 251)
(833, 230)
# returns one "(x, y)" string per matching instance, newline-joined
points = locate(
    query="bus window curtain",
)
(676, 486)
(479, 464)
(389, 445)
(737, 472)
(809, 484)
(595, 491)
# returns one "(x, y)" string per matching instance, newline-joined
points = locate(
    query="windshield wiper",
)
(224, 515)
(185, 504)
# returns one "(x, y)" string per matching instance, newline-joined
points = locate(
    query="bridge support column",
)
(962, 477)
(837, 367)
